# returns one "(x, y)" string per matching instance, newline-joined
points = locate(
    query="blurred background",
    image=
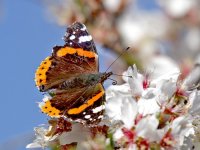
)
(163, 35)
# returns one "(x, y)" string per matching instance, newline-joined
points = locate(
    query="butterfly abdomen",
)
(72, 83)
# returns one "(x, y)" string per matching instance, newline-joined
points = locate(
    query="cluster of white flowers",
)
(142, 113)
(156, 113)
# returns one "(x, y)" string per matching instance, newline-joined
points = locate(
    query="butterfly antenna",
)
(121, 75)
(118, 57)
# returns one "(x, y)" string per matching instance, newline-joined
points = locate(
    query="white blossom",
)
(177, 8)
(156, 110)
(42, 140)
(116, 109)
(78, 134)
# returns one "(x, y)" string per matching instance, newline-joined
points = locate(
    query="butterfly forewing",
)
(77, 36)
(68, 61)
(84, 105)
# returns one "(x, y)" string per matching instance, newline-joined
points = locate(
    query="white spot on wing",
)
(85, 38)
(72, 37)
(87, 116)
(100, 117)
(89, 37)
(98, 109)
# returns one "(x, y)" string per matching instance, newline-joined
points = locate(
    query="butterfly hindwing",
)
(84, 105)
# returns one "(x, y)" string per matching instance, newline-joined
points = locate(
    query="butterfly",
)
(71, 76)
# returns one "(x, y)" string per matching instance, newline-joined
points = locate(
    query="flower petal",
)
(78, 134)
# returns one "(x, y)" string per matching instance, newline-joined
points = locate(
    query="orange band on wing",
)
(90, 102)
(49, 110)
(40, 75)
(68, 50)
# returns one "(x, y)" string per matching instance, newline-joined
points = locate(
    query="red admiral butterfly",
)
(71, 76)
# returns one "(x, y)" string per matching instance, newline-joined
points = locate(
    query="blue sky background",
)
(26, 38)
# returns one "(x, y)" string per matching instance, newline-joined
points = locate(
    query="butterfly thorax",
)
(84, 80)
